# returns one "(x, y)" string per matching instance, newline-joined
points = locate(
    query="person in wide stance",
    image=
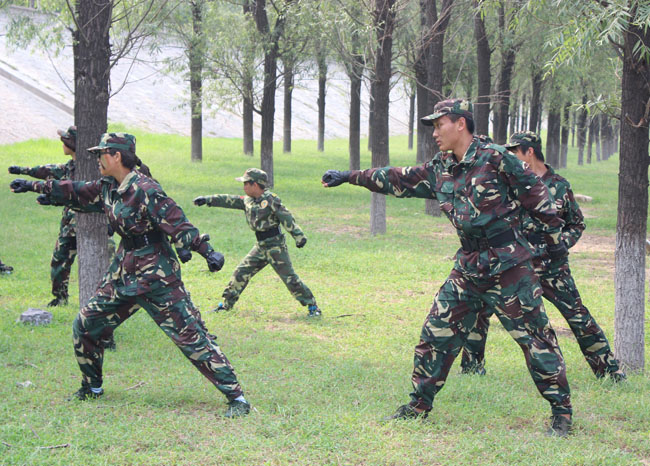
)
(145, 271)
(482, 188)
(264, 213)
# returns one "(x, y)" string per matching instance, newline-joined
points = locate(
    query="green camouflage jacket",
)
(262, 213)
(482, 195)
(135, 207)
(56, 171)
(567, 207)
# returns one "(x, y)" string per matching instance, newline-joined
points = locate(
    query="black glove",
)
(301, 243)
(14, 170)
(184, 255)
(43, 199)
(201, 200)
(215, 261)
(333, 178)
(21, 186)
(557, 251)
(110, 230)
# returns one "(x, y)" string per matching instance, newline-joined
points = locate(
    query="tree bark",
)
(322, 81)
(590, 138)
(355, 75)
(288, 92)
(92, 51)
(271, 54)
(514, 114)
(411, 119)
(483, 57)
(564, 137)
(598, 118)
(384, 25)
(553, 136)
(196, 80)
(535, 100)
(631, 227)
(247, 116)
(582, 130)
(524, 113)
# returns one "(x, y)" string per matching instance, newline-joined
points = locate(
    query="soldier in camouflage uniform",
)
(65, 249)
(264, 213)
(145, 271)
(481, 188)
(555, 275)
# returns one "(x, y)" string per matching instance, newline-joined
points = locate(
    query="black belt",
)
(266, 234)
(481, 244)
(140, 241)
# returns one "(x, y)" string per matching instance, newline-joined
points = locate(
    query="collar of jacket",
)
(449, 159)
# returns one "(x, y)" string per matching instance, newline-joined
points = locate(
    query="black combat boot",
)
(58, 301)
(406, 412)
(560, 426)
(85, 393)
(237, 409)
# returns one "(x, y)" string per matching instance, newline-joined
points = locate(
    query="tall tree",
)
(271, 39)
(92, 65)
(384, 20)
(321, 61)
(195, 56)
(483, 56)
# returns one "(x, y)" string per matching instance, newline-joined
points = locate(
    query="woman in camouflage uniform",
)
(145, 271)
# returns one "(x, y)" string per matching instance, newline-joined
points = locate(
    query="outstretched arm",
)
(54, 171)
(78, 195)
(397, 181)
(227, 201)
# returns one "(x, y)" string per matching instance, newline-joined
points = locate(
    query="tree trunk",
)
(196, 80)
(411, 118)
(92, 51)
(590, 138)
(271, 53)
(631, 226)
(524, 113)
(322, 81)
(503, 96)
(288, 92)
(535, 100)
(599, 118)
(385, 24)
(564, 137)
(483, 56)
(436, 28)
(514, 115)
(247, 116)
(573, 129)
(553, 136)
(355, 121)
(582, 130)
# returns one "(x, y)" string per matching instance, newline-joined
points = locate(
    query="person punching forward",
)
(145, 271)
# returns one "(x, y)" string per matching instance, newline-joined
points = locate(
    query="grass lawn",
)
(318, 388)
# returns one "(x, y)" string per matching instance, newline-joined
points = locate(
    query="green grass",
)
(318, 388)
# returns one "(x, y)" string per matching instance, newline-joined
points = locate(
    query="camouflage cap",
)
(256, 175)
(68, 136)
(119, 141)
(525, 137)
(460, 107)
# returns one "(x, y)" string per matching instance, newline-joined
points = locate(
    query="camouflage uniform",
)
(144, 272)
(264, 214)
(65, 249)
(482, 196)
(557, 283)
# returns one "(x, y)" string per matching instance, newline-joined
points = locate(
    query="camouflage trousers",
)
(63, 257)
(176, 315)
(560, 289)
(277, 255)
(515, 294)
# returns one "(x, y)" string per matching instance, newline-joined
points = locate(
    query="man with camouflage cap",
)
(65, 249)
(145, 271)
(555, 275)
(481, 188)
(265, 213)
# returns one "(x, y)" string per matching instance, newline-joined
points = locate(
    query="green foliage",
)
(318, 388)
